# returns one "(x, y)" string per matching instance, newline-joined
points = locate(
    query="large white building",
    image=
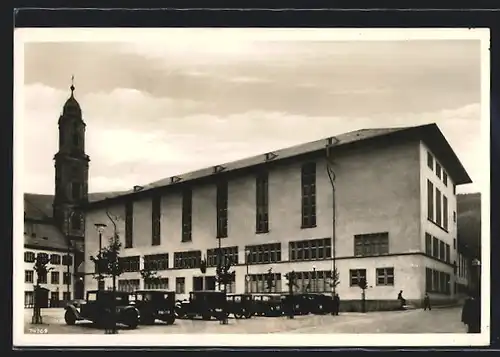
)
(395, 219)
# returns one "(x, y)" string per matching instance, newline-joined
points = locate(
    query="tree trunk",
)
(113, 312)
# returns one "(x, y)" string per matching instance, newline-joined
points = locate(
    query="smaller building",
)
(41, 236)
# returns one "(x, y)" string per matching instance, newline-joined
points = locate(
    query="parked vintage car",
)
(240, 305)
(318, 304)
(154, 305)
(98, 308)
(205, 303)
(269, 305)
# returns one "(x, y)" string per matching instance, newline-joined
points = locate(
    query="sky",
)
(160, 108)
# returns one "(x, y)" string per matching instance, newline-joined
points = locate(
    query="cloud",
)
(145, 140)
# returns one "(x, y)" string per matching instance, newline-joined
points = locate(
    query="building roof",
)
(45, 235)
(430, 134)
(39, 206)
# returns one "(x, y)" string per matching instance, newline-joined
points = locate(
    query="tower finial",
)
(72, 84)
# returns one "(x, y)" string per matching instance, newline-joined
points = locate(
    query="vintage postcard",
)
(238, 187)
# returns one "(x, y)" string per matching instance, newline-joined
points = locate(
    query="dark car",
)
(98, 308)
(315, 303)
(269, 305)
(154, 305)
(205, 303)
(240, 305)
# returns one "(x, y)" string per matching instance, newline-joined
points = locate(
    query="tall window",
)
(435, 247)
(371, 244)
(187, 210)
(76, 221)
(311, 249)
(430, 161)
(447, 253)
(385, 276)
(129, 224)
(430, 200)
(262, 203)
(264, 253)
(156, 221)
(438, 170)
(445, 212)
(54, 277)
(356, 275)
(180, 285)
(222, 195)
(445, 178)
(29, 257)
(76, 190)
(442, 250)
(28, 276)
(428, 280)
(55, 259)
(428, 244)
(309, 195)
(438, 207)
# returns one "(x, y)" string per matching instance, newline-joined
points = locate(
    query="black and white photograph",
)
(246, 187)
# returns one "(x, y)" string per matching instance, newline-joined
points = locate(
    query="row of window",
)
(308, 197)
(440, 172)
(384, 276)
(437, 248)
(437, 281)
(29, 277)
(306, 281)
(462, 266)
(54, 259)
(29, 297)
(437, 206)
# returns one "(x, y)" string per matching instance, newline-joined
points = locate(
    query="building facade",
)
(275, 213)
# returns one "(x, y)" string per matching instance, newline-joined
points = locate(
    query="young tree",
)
(270, 280)
(41, 269)
(149, 275)
(292, 282)
(108, 263)
(363, 286)
(224, 277)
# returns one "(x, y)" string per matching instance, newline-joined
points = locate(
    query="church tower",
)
(72, 171)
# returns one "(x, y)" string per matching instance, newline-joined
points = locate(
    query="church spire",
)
(72, 84)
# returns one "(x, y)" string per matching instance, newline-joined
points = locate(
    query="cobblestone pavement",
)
(413, 321)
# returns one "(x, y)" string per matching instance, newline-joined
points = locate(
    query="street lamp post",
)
(100, 229)
(331, 176)
(68, 271)
(247, 276)
(314, 279)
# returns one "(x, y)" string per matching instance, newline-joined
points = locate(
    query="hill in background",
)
(469, 223)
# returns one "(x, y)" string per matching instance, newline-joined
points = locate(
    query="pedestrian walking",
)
(336, 304)
(401, 299)
(471, 314)
(427, 302)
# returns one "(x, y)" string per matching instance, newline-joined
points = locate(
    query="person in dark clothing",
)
(401, 299)
(336, 304)
(471, 314)
(427, 302)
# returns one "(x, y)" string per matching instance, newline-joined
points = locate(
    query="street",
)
(446, 320)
